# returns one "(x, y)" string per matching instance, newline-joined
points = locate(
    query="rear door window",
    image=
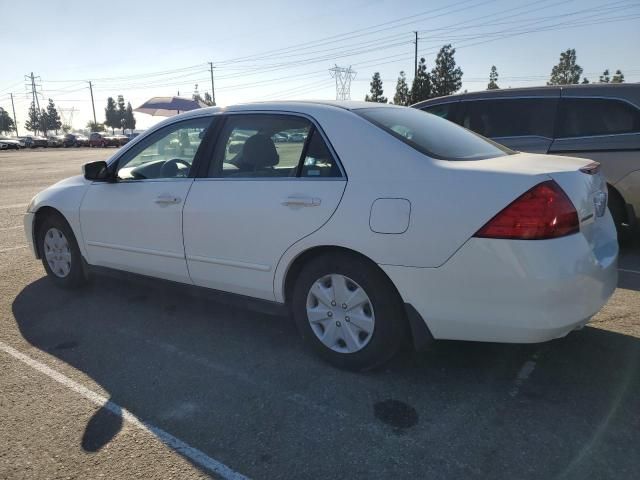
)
(516, 117)
(584, 117)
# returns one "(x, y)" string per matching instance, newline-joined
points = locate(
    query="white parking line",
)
(10, 249)
(523, 374)
(196, 456)
(626, 270)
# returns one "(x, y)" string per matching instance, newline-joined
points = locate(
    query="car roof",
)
(604, 89)
(291, 105)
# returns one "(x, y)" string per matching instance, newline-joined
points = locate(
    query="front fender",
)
(65, 197)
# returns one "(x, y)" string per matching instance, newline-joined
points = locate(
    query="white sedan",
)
(385, 222)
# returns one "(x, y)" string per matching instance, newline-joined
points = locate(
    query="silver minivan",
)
(597, 121)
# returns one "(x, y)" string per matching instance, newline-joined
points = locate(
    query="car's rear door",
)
(524, 124)
(258, 196)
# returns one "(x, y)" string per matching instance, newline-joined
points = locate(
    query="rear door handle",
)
(167, 199)
(294, 201)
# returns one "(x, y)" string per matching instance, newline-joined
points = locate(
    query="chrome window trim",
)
(523, 136)
(599, 136)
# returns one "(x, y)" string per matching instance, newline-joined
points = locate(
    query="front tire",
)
(60, 254)
(348, 311)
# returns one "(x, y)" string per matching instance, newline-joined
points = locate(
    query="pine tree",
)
(6, 122)
(122, 113)
(402, 96)
(376, 90)
(618, 77)
(446, 78)
(129, 118)
(94, 127)
(493, 79)
(111, 114)
(567, 71)
(421, 86)
(44, 121)
(33, 119)
(53, 118)
(604, 78)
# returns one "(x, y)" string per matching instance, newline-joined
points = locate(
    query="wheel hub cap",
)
(340, 313)
(57, 252)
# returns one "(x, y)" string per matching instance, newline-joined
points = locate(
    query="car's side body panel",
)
(125, 227)
(236, 230)
(65, 197)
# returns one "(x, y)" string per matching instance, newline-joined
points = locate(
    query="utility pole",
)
(213, 91)
(32, 81)
(415, 57)
(93, 105)
(15, 122)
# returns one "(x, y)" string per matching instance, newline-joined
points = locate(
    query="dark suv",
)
(599, 122)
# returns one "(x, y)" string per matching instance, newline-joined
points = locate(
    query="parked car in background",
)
(55, 141)
(74, 140)
(599, 121)
(121, 139)
(280, 138)
(34, 141)
(297, 137)
(82, 140)
(369, 236)
(103, 140)
(9, 143)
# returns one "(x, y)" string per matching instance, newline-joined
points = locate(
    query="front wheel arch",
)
(41, 214)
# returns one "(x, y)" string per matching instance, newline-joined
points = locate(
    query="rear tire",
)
(60, 254)
(364, 323)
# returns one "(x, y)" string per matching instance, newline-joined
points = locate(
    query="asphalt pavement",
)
(137, 379)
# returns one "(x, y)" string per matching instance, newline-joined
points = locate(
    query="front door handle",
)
(295, 201)
(167, 199)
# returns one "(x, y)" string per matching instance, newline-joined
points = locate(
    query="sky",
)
(283, 50)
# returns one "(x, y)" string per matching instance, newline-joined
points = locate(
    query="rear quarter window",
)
(584, 117)
(432, 135)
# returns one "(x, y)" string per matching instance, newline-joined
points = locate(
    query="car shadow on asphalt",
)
(239, 386)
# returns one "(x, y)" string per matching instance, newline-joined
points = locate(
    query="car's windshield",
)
(432, 135)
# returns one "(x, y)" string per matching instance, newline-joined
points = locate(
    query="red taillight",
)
(545, 211)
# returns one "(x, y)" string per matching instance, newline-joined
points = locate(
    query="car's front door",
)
(272, 180)
(135, 222)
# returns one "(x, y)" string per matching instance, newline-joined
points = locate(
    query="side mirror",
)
(96, 171)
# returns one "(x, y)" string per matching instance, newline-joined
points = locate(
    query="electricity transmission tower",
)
(343, 78)
(66, 115)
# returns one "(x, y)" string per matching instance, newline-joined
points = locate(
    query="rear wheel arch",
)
(617, 205)
(298, 263)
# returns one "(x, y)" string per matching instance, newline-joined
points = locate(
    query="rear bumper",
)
(512, 291)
